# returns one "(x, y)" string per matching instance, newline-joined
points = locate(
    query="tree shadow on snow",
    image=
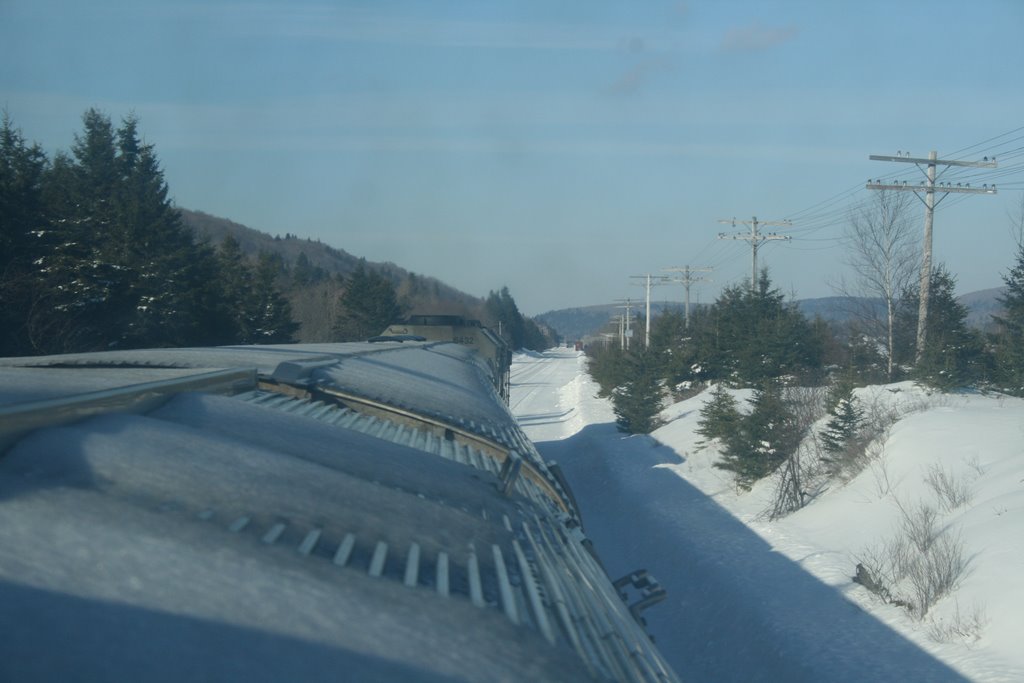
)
(736, 610)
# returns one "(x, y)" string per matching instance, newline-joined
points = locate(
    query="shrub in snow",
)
(951, 492)
(918, 566)
(801, 474)
(965, 626)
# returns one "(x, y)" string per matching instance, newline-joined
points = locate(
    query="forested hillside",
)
(312, 275)
(95, 256)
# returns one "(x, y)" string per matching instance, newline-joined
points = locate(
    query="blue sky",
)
(554, 147)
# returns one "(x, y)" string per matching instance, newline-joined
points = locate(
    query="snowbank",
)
(972, 443)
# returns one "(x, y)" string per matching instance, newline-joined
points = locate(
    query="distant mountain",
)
(982, 305)
(580, 323)
(840, 308)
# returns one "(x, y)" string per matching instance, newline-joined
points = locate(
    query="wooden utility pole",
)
(661, 280)
(755, 238)
(928, 187)
(687, 278)
(625, 332)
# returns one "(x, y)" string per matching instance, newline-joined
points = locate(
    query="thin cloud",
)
(369, 25)
(757, 37)
(637, 76)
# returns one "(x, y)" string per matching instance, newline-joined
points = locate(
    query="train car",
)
(363, 512)
(454, 328)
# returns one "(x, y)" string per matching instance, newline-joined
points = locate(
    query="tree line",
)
(752, 337)
(94, 256)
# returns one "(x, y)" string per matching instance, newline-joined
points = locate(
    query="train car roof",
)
(236, 532)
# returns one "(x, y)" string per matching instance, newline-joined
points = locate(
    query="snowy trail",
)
(737, 610)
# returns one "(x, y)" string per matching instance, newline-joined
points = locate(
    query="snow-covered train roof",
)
(226, 514)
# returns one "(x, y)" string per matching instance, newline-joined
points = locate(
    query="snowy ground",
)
(756, 600)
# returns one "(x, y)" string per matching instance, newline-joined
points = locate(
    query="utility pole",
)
(687, 278)
(928, 187)
(625, 333)
(660, 281)
(755, 238)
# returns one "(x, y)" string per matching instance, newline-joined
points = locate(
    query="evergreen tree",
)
(845, 421)
(24, 221)
(1009, 340)
(863, 358)
(673, 347)
(156, 251)
(235, 286)
(763, 439)
(953, 355)
(116, 267)
(751, 334)
(502, 314)
(719, 416)
(637, 401)
(271, 316)
(82, 293)
(303, 273)
(607, 365)
(368, 305)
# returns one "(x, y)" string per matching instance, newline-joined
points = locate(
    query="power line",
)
(687, 277)
(931, 163)
(661, 280)
(755, 238)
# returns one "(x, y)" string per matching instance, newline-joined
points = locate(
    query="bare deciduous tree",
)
(884, 253)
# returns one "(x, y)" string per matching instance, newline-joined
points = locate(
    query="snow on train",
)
(365, 511)
(489, 346)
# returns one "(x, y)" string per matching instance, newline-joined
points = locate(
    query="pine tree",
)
(952, 356)
(637, 401)
(117, 267)
(1009, 340)
(673, 347)
(607, 365)
(24, 222)
(503, 315)
(82, 293)
(156, 250)
(271, 317)
(719, 416)
(846, 419)
(235, 286)
(368, 305)
(751, 335)
(763, 439)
